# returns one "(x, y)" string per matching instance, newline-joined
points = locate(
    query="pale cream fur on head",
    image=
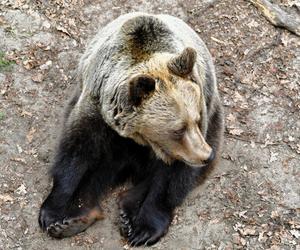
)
(175, 102)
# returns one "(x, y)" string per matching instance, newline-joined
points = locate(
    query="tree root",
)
(277, 16)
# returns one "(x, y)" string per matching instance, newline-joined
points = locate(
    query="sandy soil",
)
(250, 201)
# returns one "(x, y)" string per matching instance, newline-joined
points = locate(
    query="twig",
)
(203, 7)
(277, 16)
(273, 44)
(249, 140)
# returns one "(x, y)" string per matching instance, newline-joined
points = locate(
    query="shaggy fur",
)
(146, 87)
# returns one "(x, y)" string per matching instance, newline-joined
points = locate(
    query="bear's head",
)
(166, 109)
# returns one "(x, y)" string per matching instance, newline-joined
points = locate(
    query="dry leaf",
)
(71, 22)
(29, 64)
(2, 20)
(238, 98)
(248, 231)
(261, 237)
(237, 226)
(285, 39)
(274, 214)
(236, 239)
(274, 247)
(242, 214)
(38, 77)
(273, 157)
(253, 24)
(231, 118)
(63, 30)
(6, 197)
(214, 221)
(46, 24)
(24, 113)
(243, 241)
(20, 150)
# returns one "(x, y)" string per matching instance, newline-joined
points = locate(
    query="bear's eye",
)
(178, 134)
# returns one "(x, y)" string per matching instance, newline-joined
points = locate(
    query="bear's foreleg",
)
(78, 180)
(146, 210)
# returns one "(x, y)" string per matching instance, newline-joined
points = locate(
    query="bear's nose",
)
(211, 157)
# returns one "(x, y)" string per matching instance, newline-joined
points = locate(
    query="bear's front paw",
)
(60, 226)
(145, 228)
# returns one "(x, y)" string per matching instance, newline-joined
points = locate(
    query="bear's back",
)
(126, 40)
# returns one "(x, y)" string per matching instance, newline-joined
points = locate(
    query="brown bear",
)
(146, 109)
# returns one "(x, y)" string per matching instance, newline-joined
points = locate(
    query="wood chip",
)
(217, 40)
(235, 131)
(21, 160)
(30, 134)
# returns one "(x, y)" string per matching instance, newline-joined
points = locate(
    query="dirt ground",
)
(250, 201)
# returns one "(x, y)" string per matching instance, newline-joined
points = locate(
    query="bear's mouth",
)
(168, 157)
(194, 165)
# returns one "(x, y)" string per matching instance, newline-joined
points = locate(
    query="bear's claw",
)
(126, 228)
(142, 232)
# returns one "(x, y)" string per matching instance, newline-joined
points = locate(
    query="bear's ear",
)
(140, 87)
(182, 65)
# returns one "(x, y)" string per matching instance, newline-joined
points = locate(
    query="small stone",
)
(243, 241)
(295, 233)
(46, 66)
(291, 138)
(46, 25)
(21, 190)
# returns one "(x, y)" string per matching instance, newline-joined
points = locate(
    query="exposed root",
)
(277, 16)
